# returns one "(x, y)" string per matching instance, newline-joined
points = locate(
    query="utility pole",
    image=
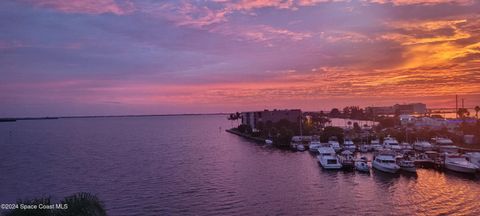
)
(456, 106)
(301, 118)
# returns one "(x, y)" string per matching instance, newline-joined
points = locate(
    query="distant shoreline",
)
(103, 116)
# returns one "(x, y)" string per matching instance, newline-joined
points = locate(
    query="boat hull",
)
(362, 167)
(300, 148)
(385, 169)
(461, 169)
(327, 166)
(409, 169)
(347, 165)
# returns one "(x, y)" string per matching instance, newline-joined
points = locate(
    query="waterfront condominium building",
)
(253, 118)
(412, 108)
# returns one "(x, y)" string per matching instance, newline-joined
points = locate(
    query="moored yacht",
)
(385, 162)
(346, 159)
(268, 141)
(300, 147)
(423, 159)
(362, 165)
(364, 148)
(348, 145)
(375, 145)
(327, 158)
(314, 145)
(442, 141)
(459, 163)
(391, 143)
(451, 149)
(406, 146)
(422, 146)
(333, 142)
(444, 145)
(473, 157)
(406, 164)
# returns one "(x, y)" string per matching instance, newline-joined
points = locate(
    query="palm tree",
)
(477, 109)
(463, 112)
(235, 117)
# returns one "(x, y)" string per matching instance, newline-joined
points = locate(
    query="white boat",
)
(406, 165)
(442, 141)
(473, 157)
(422, 146)
(364, 148)
(362, 165)
(314, 145)
(385, 162)
(346, 159)
(300, 147)
(348, 145)
(406, 146)
(375, 145)
(451, 149)
(391, 143)
(268, 141)
(333, 142)
(424, 160)
(444, 145)
(460, 164)
(327, 158)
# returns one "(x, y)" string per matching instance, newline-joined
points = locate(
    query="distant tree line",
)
(351, 112)
(281, 132)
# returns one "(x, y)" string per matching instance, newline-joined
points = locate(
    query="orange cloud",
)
(435, 43)
(420, 32)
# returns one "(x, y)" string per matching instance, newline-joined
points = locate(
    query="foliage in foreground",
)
(79, 204)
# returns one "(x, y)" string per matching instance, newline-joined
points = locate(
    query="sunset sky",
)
(108, 57)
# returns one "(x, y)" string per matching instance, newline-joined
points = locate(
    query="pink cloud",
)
(86, 6)
(341, 36)
(187, 14)
(261, 33)
(255, 4)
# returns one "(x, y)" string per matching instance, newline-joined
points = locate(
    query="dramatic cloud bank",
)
(148, 57)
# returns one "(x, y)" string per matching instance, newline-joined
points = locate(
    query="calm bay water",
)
(185, 165)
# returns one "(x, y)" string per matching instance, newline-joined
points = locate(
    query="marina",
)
(390, 157)
(387, 154)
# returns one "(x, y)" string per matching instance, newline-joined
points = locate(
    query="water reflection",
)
(185, 165)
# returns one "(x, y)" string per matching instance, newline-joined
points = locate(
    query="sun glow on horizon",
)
(189, 56)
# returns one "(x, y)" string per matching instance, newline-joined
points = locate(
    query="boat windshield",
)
(385, 161)
(332, 161)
